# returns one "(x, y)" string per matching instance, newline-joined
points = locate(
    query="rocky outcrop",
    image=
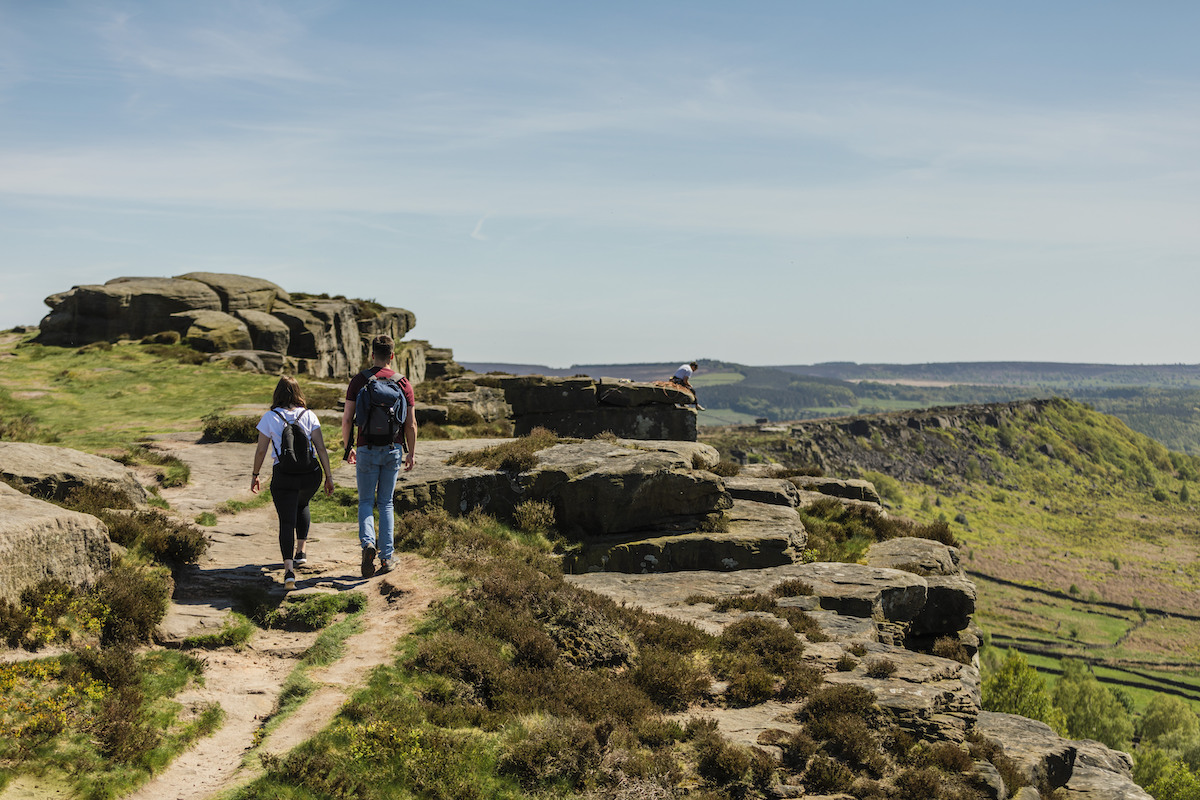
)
(860, 490)
(123, 307)
(597, 488)
(939, 444)
(586, 407)
(51, 472)
(39, 540)
(218, 313)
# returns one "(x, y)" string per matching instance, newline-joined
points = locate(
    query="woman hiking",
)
(293, 432)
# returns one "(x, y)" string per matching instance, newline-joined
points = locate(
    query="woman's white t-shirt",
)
(272, 426)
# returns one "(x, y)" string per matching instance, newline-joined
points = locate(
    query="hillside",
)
(1080, 532)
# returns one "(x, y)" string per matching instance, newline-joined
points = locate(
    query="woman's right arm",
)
(260, 455)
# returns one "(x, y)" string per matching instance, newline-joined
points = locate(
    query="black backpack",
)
(380, 408)
(295, 451)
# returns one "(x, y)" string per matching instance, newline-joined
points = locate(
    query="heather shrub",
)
(160, 536)
(839, 699)
(826, 776)
(754, 636)
(669, 678)
(950, 647)
(94, 499)
(800, 681)
(846, 663)
(750, 683)
(792, 587)
(136, 599)
(726, 469)
(226, 428)
(534, 516)
(881, 668)
(552, 752)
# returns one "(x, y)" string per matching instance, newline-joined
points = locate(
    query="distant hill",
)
(1011, 373)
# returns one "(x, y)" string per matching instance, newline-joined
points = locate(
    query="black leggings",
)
(291, 494)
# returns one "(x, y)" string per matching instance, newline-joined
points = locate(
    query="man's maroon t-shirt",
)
(360, 380)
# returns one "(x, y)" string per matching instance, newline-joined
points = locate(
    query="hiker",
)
(379, 405)
(682, 377)
(293, 432)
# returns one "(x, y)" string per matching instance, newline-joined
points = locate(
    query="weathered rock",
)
(485, 401)
(1101, 773)
(759, 536)
(930, 697)
(212, 331)
(572, 407)
(850, 489)
(428, 413)
(988, 780)
(623, 393)
(640, 422)
(266, 332)
(324, 337)
(123, 307)
(949, 604)
(537, 395)
(393, 322)
(599, 489)
(240, 292)
(925, 556)
(688, 551)
(440, 363)
(51, 472)
(39, 540)
(775, 491)
(253, 360)
(1038, 752)
(867, 591)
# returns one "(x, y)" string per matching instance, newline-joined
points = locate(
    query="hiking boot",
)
(368, 561)
(299, 559)
(385, 566)
(289, 580)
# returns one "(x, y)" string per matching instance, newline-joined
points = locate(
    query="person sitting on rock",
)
(292, 486)
(378, 462)
(683, 376)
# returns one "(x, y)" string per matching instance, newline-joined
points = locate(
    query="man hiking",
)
(683, 377)
(379, 411)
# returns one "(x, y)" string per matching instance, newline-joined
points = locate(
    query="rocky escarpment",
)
(934, 446)
(587, 407)
(239, 317)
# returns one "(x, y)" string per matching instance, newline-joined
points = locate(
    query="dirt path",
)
(244, 556)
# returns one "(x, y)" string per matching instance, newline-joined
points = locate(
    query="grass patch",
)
(519, 455)
(235, 632)
(174, 471)
(102, 386)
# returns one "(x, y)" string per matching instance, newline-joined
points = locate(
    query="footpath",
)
(243, 556)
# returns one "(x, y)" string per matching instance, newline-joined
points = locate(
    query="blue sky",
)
(561, 183)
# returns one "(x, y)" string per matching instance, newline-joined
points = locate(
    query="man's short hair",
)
(694, 365)
(382, 345)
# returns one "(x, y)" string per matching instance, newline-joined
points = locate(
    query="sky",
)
(565, 183)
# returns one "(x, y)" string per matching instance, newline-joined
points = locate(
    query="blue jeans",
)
(377, 468)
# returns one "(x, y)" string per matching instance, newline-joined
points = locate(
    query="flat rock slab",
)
(774, 491)
(926, 555)
(51, 472)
